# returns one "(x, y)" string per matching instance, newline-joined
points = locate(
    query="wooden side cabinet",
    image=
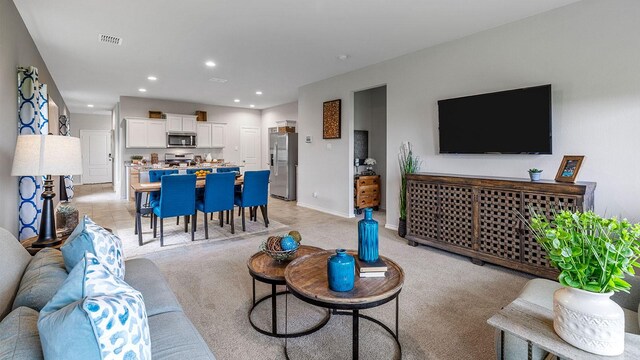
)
(366, 192)
(479, 217)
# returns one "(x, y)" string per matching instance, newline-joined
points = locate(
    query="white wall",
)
(235, 118)
(585, 50)
(269, 118)
(16, 49)
(89, 122)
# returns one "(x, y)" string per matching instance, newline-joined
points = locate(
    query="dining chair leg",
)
(151, 221)
(206, 226)
(243, 226)
(228, 215)
(154, 222)
(177, 220)
(193, 225)
(238, 211)
(263, 209)
(161, 232)
(186, 223)
(221, 218)
(233, 228)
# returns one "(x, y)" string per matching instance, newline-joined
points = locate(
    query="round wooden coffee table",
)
(306, 278)
(264, 269)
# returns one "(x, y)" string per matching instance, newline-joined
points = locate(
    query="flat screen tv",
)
(506, 122)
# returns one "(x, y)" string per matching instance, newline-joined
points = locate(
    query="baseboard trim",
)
(327, 211)
(391, 227)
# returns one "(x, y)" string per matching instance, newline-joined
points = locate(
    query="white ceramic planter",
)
(589, 321)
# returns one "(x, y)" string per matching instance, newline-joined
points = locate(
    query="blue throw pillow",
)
(88, 236)
(94, 315)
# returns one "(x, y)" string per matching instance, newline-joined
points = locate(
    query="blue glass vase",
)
(368, 237)
(341, 270)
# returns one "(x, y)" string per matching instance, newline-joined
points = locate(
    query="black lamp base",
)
(47, 236)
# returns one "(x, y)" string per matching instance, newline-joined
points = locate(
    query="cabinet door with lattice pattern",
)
(548, 204)
(499, 225)
(456, 215)
(422, 198)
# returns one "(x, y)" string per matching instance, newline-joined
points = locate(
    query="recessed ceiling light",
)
(252, 106)
(142, 90)
(210, 63)
(90, 105)
(152, 78)
(258, 92)
(343, 57)
(236, 100)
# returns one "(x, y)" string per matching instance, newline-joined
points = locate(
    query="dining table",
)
(147, 187)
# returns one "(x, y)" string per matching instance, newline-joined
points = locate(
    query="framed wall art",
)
(569, 168)
(331, 119)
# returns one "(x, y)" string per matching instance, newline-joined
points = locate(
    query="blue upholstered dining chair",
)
(218, 197)
(238, 188)
(178, 198)
(254, 194)
(200, 191)
(154, 196)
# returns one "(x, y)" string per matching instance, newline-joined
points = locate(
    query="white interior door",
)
(96, 156)
(250, 148)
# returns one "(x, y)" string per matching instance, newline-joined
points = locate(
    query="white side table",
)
(534, 324)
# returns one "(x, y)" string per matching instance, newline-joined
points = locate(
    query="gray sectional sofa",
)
(28, 282)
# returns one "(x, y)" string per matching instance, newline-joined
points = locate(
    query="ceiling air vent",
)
(109, 39)
(218, 80)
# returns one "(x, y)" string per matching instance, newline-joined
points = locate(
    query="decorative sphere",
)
(296, 235)
(288, 243)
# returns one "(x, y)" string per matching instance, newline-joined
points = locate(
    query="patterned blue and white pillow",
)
(100, 315)
(88, 236)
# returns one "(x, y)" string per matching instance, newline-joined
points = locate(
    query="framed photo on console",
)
(569, 168)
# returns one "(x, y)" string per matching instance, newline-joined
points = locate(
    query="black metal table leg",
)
(397, 315)
(355, 337)
(254, 292)
(274, 305)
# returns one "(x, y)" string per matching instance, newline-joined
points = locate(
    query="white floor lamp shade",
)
(46, 155)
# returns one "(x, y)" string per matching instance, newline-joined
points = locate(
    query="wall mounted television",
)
(505, 122)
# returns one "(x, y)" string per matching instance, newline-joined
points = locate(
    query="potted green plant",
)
(409, 164)
(534, 174)
(593, 255)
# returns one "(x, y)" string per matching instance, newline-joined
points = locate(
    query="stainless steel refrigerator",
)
(283, 161)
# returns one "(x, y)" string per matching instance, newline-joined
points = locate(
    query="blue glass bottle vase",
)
(341, 269)
(368, 237)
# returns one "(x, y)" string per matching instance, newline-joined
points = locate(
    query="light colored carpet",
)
(444, 304)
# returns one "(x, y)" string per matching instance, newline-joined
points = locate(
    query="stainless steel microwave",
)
(181, 140)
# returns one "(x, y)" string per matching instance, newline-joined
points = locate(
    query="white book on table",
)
(375, 274)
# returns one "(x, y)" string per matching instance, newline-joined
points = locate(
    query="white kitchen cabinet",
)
(210, 135)
(177, 122)
(174, 123)
(156, 134)
(189, 123)
(203, 131)
(145, 133)
(217, 135)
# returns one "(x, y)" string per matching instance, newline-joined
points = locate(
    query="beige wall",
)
(585, 50)
(16, 49)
